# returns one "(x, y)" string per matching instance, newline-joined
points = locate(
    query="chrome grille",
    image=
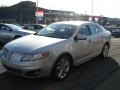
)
(5, 53)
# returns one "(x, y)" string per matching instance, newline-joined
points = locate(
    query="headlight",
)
(31, 57)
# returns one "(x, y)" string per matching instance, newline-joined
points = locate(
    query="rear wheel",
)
(61, 68)
(116, 36)
(105, 51)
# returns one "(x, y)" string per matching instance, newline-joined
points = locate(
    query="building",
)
(24, 13)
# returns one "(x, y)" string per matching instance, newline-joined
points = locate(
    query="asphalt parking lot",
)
(87, 76)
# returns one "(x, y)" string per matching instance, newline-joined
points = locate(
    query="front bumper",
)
(30, 69)
(25, 73)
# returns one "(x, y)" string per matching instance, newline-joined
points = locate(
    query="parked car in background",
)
(10, 32)
(34, 27)
(56, 48)
(114, 32)
(22, 25)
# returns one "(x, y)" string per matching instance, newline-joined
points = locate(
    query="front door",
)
(83, 47)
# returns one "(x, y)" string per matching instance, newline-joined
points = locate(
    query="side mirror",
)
(80, 37)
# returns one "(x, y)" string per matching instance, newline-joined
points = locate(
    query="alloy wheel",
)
(62, 68)
(105, 51)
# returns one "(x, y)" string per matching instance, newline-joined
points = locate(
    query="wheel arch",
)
(107, 43)
(66, 54)
(63, 54)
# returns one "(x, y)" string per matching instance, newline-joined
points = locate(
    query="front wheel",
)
(105, 51)
(61, 68)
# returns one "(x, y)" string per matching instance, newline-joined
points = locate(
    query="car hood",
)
(31, 43)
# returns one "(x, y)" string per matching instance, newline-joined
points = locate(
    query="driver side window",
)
(84, 30)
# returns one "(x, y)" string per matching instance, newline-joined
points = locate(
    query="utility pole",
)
(37, 12)
(92, 8)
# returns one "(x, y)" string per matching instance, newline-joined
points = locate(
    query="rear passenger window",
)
(95, 29)
(3, 27)
(31, 27)
(36, 27)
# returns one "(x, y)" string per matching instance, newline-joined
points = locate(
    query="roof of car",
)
(7, 24)
(73, 22)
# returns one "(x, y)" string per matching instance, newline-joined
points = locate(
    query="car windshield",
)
(63, 31)
(15, 27)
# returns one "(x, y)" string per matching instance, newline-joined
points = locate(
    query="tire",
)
(116, 36)
(105, 51)
(61, 68)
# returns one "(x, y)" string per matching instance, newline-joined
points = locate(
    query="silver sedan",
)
(9, 32)
(55, 49)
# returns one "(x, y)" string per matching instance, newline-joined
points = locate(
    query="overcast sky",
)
(109, 8)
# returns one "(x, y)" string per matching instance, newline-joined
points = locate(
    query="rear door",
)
(97, 37)
(5, 33)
